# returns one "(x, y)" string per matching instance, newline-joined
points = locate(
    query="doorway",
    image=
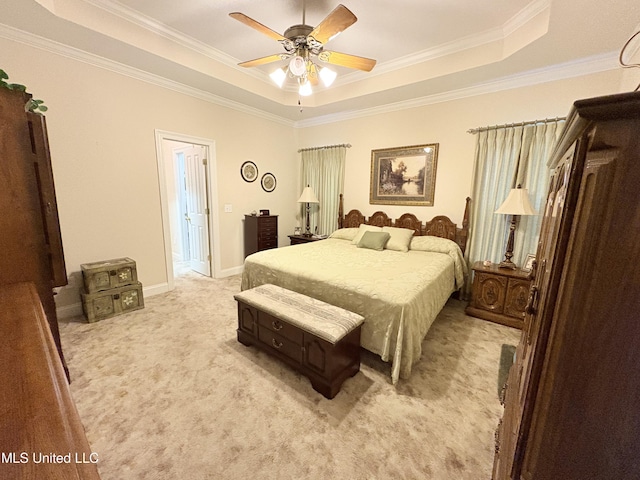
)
(188, 196)
(191, 246)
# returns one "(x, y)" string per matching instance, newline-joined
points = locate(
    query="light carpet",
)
(167, 392)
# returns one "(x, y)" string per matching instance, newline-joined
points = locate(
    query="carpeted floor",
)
(167, 392)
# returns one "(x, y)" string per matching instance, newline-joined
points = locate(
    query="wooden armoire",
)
(30, 240)
(41, 434)
(572, 400)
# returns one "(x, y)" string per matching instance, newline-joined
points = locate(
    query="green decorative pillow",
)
(400, 238)
(361, 231)
(374, 240)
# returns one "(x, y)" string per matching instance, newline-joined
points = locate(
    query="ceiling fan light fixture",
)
(327, 76)
(302, 44)
(278, 76)
(305, 89)
(297, 66)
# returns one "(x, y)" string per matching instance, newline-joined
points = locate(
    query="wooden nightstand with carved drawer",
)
(499, 294)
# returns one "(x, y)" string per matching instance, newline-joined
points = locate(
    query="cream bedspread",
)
(398, 293)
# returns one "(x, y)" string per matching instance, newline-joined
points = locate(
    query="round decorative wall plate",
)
(268, 182)
(249, 171)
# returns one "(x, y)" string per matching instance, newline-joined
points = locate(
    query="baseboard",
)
(155, 289)
(69, 311)
(230, 272)
(75, 309)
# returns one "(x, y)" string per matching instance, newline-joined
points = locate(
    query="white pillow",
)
(364, 228)
(429, 243)
(400, 238)
(344, 233)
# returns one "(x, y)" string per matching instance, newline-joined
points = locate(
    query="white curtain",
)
(504, 158)
(323, 170)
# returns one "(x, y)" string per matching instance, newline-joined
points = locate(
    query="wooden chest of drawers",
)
(260, 233)
(499, 294)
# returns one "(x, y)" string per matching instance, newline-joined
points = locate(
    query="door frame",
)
(212, 198)
(178, 157)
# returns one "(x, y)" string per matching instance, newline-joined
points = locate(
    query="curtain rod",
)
(521, 124)
(345, 145)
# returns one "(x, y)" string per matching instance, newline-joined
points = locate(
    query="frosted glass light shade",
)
(278, 76)
(305, 89)
(297, 66)
(327, 76)
(517, 203)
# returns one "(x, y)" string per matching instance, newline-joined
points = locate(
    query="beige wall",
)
(101, 132)
(447, 124)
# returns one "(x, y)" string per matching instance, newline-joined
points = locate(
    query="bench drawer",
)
(280, 327)
(280, 344)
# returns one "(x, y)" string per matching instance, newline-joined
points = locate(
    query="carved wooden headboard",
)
(439, 226)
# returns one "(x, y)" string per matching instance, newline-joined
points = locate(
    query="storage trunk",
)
(110, 303)
(101, 276)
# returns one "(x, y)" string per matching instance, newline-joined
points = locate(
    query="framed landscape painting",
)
(404, 175)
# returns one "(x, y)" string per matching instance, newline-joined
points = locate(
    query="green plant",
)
(32, 105)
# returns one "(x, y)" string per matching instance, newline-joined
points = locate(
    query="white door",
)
(197, 215)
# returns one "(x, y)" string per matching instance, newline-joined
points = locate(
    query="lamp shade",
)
(308, 196)
(517, 203)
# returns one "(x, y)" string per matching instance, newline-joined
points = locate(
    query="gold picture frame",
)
(404, 175)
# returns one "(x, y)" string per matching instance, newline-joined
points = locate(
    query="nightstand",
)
(499, 294)
(296, 239)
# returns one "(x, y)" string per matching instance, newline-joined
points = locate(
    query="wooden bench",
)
(319, 340)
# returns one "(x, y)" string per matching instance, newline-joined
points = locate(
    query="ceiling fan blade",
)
(346, 60)
(337, 21)
(263, 60)
(250, 22)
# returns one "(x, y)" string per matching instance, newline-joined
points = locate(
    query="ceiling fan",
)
(302, 43)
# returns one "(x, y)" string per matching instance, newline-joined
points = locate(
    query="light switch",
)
(228, 208)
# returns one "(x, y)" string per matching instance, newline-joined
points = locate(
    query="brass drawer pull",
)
(275, 343)
(276, 325)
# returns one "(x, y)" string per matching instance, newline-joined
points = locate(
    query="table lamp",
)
(308, 197)
(517, 203)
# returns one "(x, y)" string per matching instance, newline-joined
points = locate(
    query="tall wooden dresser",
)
(260, 233)
(572, 402)
(30, 239)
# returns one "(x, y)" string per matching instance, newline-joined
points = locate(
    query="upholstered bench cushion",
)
(326, 321)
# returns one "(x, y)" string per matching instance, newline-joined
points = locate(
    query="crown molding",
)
(523, 17)
(32, 40)
(173, 35)
(531, 11)
(148, 23)
(585, 66)
(520, 19)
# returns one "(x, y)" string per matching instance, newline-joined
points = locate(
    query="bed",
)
(399, 290)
